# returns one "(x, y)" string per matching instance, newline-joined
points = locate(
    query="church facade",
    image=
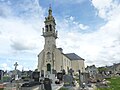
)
(52, 58)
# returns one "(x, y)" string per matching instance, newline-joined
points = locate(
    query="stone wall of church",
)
(58, 60)
(41, 60)
(78, 65)
(66, 63)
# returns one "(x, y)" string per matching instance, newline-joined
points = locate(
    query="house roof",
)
(73, 56)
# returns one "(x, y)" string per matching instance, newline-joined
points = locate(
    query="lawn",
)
(114, 85)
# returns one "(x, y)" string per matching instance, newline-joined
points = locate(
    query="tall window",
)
(50, 27)
(48, 55)
(46, 28)
(49, 67)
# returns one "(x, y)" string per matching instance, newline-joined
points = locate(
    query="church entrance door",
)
(49, 67)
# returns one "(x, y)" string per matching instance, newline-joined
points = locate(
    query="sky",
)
(89, 28)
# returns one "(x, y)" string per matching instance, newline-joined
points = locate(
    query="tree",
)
(102, 69)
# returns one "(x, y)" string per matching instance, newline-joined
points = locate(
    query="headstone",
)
(68, 80)
(15, 71)
(53, 71)
(71, 72)
(60, 76)
(42, 73)
(47, 84)
(1, 74)
(63, 71)
(15, 65)
(36, 76)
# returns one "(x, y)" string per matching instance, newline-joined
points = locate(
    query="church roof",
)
(73, 56)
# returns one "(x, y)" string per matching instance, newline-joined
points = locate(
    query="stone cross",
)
(16, 65)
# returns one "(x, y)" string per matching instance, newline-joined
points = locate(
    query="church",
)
(51, 58)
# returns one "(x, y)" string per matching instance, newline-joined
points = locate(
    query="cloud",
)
(71, 24)
(100, 47)
(19, 38)
(107, 9)
(23, 45)
(4, 12)
(83, 27)
(20, 28)
(68, 2)
(5, 66)
(25, 9)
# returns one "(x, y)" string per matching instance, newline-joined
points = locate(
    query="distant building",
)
(92, 70)
(51, 58)
(117, 68)
(113, 69)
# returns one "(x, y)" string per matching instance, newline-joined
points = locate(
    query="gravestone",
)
(1, 75)
(36, 76)
(15, 71)
(47, 84)
(71, 72)
(53, 71)
(60, 76)
(68, 80)
(63, 71)
(42, 73)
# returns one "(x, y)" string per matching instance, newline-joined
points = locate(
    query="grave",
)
(47, 84)
(60, 76)
(63, 71)
(1, 75)
(36, 76)
(71, 72)
(42, 73)
(68, 80)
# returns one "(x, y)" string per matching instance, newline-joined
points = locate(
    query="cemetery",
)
(35, 79)
(59, 71)
(60, 80)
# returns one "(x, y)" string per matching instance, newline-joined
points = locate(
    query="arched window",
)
(46, 28)
(48, 55)
(49, 67)
(50, 27)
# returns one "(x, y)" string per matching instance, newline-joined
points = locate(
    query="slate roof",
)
(73, 56)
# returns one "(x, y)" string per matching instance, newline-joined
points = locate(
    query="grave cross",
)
(16, 65)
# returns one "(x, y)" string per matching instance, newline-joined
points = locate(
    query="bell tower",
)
(50, 35)
(49, 32)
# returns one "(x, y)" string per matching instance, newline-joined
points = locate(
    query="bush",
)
(6, 79)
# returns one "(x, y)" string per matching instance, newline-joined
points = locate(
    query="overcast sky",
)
(89, 28)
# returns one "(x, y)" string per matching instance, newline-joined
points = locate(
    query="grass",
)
(63, 88)
(114, 85)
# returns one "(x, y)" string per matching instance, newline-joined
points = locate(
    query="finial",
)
(50, 6)
(50, 10)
